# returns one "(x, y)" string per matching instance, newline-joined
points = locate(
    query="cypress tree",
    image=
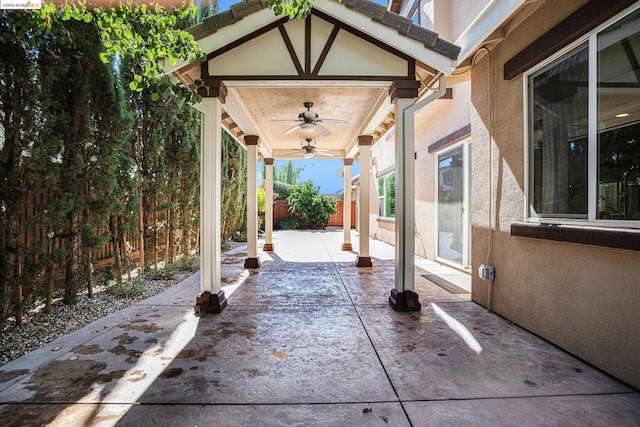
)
(234, 187)
(19, 107)
(84, 121)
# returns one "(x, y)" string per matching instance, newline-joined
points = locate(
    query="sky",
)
(322, 172)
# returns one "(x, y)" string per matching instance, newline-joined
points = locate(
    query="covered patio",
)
(309, 340)
(334, 82)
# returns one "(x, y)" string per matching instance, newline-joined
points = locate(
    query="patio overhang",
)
(338, 80)
(344, 58)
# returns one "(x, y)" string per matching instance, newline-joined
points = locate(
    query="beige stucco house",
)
(496, 133)
(531, 163)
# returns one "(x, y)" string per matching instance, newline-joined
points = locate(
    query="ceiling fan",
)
(309, 121)
(310, 150)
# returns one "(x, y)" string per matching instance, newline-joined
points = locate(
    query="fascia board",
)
(489, 20)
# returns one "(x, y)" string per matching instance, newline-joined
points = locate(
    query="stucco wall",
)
(582, 298)
(433, 123)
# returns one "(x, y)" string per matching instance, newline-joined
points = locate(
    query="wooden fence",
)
(38, 240)
(281, 212)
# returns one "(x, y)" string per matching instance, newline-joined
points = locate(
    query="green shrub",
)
(288, 224)
(165, 273)
(127, 289)
(314, 209)
(186, 263)
(281, 190)
(239, 236)
(108, 275)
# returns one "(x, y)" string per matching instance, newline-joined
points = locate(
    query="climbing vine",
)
(144, 36)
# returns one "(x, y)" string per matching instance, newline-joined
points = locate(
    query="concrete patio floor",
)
(309, 339)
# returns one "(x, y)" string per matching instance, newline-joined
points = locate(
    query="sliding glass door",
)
(453, 230)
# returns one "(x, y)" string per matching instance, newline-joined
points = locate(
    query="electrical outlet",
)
(487, 272)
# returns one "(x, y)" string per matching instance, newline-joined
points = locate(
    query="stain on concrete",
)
(252, 372)
(139, 321)
(21, 415)
(137, 375)
(147, 329)
(125, 338)
(531, 383)
(171, 373)
(133, 355)
(151, 341)
(201, 354)
(10, 375)
(153, 353)
(278, 354)
(65, 380)
(88, 349)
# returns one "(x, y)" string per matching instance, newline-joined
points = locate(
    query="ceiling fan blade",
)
(284, 120)
(322, 150)
(291, 130)
(323, 130)
(323, 153)
(335, 122)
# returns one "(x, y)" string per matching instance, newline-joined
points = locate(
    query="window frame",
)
(383, 196)
(591, 39)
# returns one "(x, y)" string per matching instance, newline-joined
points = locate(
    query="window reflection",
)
(619, 120)
(560, 137)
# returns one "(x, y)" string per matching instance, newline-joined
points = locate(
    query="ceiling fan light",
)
(307, 127)
(307, 156)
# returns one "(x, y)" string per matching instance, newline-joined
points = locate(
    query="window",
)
(584, 129)
(387, 196)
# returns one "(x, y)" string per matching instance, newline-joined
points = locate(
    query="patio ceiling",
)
(343, 58)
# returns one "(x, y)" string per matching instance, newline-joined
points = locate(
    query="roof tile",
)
(396, 21)
(374, 10)
(215, 22)
(423, 35)
(446, 48)
(240, 10)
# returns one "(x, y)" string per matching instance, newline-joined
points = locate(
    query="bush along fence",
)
(284, 219)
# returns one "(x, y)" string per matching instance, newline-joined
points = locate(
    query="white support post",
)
(346, 206)
(365, 142)
(211, 297)
(268, 214)
(403, 296)
(405, 202)
(252, 261)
